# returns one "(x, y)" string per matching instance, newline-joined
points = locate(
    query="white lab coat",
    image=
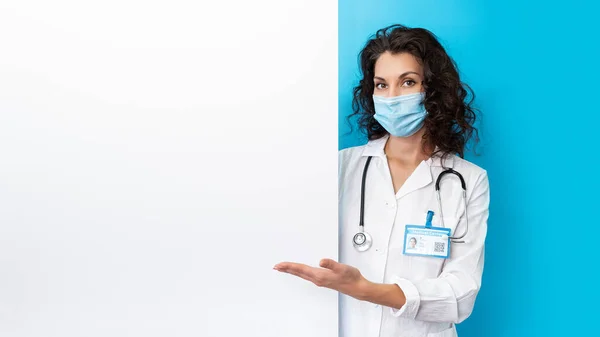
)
(440, 292)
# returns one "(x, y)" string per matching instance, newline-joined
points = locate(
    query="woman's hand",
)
(347, 280)
(333, 275)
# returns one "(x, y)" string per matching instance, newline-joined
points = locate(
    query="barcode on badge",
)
(439, 247)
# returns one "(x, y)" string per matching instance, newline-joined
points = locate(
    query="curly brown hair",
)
(449, 122)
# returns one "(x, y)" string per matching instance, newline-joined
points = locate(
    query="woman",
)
(413, 107)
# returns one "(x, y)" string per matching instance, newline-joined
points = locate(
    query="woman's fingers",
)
(297, 269)
(319, 277)
(331, 265)
(299, 274)
(331, 274)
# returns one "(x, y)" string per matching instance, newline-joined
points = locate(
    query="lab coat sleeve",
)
(451, 296)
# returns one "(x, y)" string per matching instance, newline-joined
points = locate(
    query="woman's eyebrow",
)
(408, 73)
(401, 76)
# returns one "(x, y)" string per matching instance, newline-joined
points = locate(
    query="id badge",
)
(427, 241)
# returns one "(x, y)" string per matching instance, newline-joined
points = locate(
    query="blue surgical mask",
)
(401, 116)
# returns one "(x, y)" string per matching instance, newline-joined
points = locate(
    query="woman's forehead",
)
(394, 65)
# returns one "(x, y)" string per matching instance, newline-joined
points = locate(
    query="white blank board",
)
(158, 158)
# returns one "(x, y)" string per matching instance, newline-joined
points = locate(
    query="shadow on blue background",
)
(533, 69)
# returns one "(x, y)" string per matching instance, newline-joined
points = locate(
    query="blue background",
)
(534, 69)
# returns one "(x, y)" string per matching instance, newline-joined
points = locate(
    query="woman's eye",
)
(409, 83)
(380, 86)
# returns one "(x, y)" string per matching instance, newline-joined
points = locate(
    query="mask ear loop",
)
(455, 239)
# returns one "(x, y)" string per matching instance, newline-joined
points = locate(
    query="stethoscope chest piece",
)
(362, 241)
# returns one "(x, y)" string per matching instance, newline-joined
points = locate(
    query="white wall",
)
(157, 158)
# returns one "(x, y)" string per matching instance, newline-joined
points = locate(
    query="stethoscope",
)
(362, 240)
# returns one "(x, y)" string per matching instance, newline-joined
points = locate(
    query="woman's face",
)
(397, 75)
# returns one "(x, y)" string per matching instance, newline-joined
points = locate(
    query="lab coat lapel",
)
(420, 178)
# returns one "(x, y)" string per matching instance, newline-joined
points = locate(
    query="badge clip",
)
(429, 218)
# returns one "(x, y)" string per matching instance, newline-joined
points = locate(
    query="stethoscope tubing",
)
(456, 239)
